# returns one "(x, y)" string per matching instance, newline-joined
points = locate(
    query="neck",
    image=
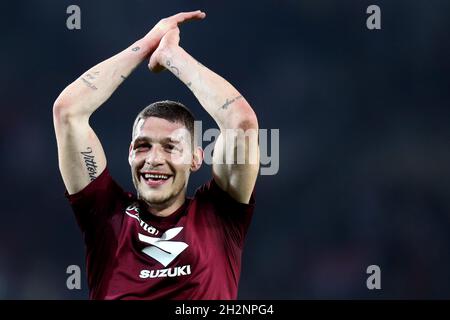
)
(167, 208)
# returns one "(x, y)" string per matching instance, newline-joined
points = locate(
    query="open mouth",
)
(155, 179)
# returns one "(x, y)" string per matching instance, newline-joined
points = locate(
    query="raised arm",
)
(80, 153)
(236, 152)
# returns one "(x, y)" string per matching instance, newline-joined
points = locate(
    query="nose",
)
(154, 157)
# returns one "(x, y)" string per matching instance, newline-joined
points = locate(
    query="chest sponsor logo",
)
(169, 272)
(163, 249)
(133, 212)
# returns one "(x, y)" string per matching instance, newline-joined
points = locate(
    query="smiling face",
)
(161, 158)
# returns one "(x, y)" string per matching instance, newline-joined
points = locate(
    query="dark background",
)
(364, 138)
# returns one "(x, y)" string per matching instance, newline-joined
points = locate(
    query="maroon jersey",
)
(195, 253)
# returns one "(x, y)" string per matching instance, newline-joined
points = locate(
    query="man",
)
(160, 244)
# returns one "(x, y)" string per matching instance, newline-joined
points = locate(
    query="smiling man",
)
(159, 243)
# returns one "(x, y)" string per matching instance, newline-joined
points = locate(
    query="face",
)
(161, 158)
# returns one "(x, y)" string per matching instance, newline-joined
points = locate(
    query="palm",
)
(168, 42)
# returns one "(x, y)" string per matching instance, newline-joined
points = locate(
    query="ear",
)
(197, 159)
(130, 153)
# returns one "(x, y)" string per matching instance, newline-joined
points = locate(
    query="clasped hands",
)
(165, 37)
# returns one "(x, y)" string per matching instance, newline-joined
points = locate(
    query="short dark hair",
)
(169, 110)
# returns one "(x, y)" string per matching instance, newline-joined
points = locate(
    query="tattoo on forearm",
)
(91, 76)
(89, 84)
(175, 69)
(228, 102)
(90, 163)
(136, 49)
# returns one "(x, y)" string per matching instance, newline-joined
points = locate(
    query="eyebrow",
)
(147, 139)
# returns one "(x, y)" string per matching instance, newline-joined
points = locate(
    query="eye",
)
(169, 147)
(142, 147)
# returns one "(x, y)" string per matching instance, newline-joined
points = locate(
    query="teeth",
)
(155, 176)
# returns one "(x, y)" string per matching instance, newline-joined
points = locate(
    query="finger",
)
(197, 13)
(189, 16)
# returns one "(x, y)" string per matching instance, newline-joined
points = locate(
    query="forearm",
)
(217, 96)
(95, 86)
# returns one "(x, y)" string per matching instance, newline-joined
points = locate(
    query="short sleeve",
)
(235, 216)
(95, 205)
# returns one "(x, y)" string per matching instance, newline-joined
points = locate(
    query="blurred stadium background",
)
(364, 120)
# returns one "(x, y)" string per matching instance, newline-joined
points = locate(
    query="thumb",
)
(172, 36)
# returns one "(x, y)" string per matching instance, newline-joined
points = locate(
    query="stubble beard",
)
(164, 198)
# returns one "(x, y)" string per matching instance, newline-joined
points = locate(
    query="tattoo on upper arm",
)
(90, 163)
(228, 102)
(175, 69)
(91, 76)
(136, 49)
